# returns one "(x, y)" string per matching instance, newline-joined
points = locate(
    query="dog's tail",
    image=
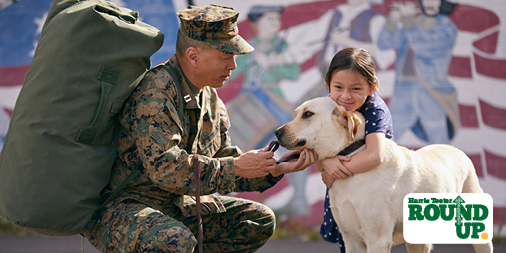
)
(471, 182)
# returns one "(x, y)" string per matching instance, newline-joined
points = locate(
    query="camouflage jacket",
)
(151, 132)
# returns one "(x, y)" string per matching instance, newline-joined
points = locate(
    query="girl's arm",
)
(339, 168)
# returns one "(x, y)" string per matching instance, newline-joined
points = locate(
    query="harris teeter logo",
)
(448, 218)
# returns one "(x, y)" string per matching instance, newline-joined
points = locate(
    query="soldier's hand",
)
(306, 158)
(255, 163)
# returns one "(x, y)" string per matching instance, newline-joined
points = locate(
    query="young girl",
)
(352, 83)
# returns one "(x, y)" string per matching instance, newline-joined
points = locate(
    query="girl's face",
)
(350, 89)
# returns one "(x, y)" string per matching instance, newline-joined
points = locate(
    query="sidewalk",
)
(34, 243)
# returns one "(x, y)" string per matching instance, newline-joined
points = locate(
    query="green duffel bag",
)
(61, 143)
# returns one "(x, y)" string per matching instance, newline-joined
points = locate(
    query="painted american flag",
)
(477, 70)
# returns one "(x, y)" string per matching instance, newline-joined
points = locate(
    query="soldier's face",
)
(216, 67)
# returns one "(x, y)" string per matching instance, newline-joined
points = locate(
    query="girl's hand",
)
(327, 179)
(334, 167)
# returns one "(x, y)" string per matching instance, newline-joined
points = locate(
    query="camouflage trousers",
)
(132, 226)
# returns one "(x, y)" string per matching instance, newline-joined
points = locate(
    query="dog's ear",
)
(348, 119)
(353, 123)
(339, 114)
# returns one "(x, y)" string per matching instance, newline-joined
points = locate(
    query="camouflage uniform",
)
(156, 211)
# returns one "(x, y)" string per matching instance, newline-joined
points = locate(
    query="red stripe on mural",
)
(499, 215)
(493, 116)
(245, 30)
(490, 67)
(468, 116)
(261, 197)
(231, 89)
(460, 67)
(476, 159)
(309, 63)
(487, 44)
(293, 15)
(473, 19)
(13, 76)
(8, 111)
(284, 182)
(496, 165)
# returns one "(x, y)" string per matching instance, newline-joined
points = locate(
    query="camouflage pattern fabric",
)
(215, 25)
(135, 227)
(152, 133)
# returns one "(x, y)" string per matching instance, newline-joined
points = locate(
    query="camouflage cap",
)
(215, 25)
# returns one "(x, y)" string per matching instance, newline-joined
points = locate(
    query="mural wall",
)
(441, 66)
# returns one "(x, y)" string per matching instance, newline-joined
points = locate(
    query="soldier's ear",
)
(192, 54)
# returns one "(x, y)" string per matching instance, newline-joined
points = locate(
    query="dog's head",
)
(321, 124)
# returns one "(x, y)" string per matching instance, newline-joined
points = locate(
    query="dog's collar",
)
(274, 145)
(352, 147)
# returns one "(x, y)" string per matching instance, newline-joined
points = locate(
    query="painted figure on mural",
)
(264, 68)
(356, 24)
(271, 62)
(424, 101)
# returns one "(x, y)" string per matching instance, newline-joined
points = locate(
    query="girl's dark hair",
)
(355, 59)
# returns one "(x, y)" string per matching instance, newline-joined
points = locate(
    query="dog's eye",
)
(307, 114)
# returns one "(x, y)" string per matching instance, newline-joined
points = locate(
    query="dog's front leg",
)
(379, 245)
(353, 246)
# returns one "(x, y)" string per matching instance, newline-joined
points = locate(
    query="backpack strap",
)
(180, 108)
(96, 213)
(196, 169)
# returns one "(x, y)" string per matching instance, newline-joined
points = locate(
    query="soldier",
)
(156, 212)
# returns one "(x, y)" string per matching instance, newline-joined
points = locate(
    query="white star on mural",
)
(40, 23)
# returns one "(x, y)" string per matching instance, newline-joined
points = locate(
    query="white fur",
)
(368, 206)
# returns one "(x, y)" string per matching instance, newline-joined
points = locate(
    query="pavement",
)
(34, 243)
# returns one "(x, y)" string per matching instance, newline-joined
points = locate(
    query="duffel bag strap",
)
(96, 213)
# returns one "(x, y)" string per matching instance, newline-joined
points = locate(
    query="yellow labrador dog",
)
(368, 206)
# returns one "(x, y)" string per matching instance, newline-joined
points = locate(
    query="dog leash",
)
(197, 189)
(274, 145)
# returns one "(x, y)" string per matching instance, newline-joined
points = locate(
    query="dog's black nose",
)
(279, 132)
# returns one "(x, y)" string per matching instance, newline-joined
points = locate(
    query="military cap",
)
(215, 25)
